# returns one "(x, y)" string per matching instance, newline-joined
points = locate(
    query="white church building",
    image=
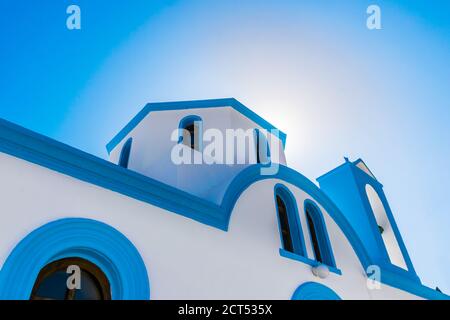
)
(145, 226)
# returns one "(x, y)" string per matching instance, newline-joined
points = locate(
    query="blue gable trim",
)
(38, 149)
(195, 104)
(33, 147)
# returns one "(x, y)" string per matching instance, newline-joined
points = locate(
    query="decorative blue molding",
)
(314, 291)
(396, 280)
(35, 148)
(346, 186)
(252, 174)
(92, 240)
(195, 104)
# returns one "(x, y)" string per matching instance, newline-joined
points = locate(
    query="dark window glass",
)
(284, 225)
(54, 287)
(258, 157)
(190, 135)
(51, 283)
(262, 145)
(315, 242)
(90, 288)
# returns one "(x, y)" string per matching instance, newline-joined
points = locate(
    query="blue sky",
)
(312, 68)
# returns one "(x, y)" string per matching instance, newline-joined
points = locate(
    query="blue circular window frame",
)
(89, 239)
(314, 291)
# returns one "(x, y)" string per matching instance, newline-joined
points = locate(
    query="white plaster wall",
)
(185, 259)
(152, 146)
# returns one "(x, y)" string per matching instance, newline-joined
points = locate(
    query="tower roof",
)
(194, 104)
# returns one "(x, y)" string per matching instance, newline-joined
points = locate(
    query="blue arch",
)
(252, 174)
(295, 226)
(92, 240)
(325, 248)
(125, 153)
(378, 189)
(314, 291)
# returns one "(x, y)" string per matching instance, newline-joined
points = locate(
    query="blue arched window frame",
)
(293, 217)
(88, 239)
(320, 229)
(314, 291)
(125, 153)
(261, 143)
(185, 122)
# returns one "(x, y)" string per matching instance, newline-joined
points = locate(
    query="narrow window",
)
(386, 231)
(189, 135)
(289, 223)
(262, 148)
(125, 154)
(319, 237)
(284, 225)
(190, 132)
(314, 240)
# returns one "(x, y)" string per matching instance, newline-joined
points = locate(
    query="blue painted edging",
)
(38, 149)
(74, 237)
(314, 291)
(195, 104)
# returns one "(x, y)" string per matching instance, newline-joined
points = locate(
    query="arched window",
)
(52, 282)
(191, 132)
(262, 148)
(385, 228)
(318, 234)
(289, 223)
(125, 153)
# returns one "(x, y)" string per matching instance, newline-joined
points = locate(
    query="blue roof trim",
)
(194, 104)
(404, 283)
(352, 165)
(41, 150)
(33, 147)
(358, 161)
